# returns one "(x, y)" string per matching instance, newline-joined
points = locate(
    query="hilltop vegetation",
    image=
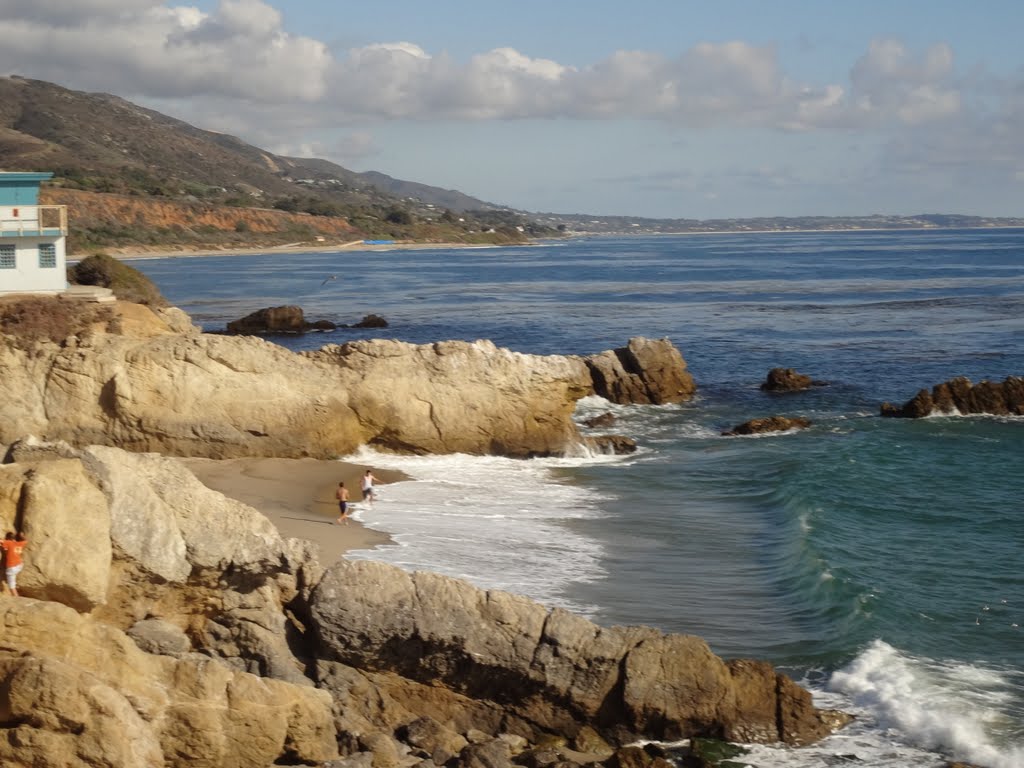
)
(134, 178)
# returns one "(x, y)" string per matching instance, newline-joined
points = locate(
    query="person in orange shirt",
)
(13, 547)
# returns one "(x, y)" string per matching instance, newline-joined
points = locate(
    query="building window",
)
(47, 256)
(7, 259)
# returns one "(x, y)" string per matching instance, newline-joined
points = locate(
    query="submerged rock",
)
(768, 424)
(960, 396)
(788, 380)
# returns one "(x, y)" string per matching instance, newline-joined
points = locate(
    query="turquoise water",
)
(878, 560)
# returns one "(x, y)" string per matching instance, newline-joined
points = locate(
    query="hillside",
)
(101, 145)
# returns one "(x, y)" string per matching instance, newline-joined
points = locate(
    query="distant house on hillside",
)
(32, 237)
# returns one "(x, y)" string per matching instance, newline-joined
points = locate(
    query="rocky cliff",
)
(175, 627)
(157, 385)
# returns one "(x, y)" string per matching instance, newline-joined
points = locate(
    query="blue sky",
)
(666, 109)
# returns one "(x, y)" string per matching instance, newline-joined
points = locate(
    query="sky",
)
(658, 108)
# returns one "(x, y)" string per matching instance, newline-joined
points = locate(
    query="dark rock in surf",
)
(644, 371)
(372, 321)
(960, 396)
(286, 319)
(617, 444)
(769, 424)
(788, 380)
(604, 420)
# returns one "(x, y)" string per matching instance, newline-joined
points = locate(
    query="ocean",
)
(877, 561)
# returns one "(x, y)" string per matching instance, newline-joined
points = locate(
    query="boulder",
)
(644, 371)
(74, 691)
(66, 521)
(604, 420)
(960, 396)
(548, 671)
(286, 319)
(769, 424)
(615, 444)
(160, 637)
(458, 397)
(788, 380)
(372, 321)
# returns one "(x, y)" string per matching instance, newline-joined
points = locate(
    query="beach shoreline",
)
(297, 496)
(355, 246)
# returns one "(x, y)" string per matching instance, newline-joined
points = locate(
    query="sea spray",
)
(498, 523)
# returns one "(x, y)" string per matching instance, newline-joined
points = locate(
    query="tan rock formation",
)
(549, 671)
(77, 692)
(57, 497)
(148, 382)
(644, 371)
(459, 397)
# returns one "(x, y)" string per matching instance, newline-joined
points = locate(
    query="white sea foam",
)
(498, 523)
(952, 708)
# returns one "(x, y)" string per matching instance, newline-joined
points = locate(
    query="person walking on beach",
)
(367, 484)
(342, 496)
(13, 547)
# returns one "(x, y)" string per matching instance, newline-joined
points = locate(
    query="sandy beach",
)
(135, 252)
(297, 495)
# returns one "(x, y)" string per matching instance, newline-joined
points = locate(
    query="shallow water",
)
(878, 560)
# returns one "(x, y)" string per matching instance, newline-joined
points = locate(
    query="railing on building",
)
(33, 221)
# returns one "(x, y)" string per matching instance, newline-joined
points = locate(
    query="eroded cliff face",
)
(196, 636)
(154, 383)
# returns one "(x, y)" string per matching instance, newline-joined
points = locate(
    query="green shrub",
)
(127, 283)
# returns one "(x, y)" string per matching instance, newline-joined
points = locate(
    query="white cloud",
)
(238, 69)
(888, 83)
(154, 50)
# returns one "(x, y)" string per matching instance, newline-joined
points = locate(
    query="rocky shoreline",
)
(165, 623)
(185, 615)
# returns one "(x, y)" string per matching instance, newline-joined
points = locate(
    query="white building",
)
(32, 237)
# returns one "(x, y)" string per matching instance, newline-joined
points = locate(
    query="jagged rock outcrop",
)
(286, 319)
(548, 671)
(458, 397)
(136, 543)
(788, 380)
(190, 650)
(616, 444)
(219, 397)
(74, 691)
(768, 424)
(643, 371)
(960, 396)
(149, 382)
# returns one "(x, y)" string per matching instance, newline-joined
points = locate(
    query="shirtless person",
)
(342, 496)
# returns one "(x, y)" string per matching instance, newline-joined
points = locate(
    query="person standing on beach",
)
(367, 484)
(342, 496)
(13, 547)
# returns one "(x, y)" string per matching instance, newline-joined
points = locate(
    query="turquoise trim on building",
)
(21, 188)
(32, 233)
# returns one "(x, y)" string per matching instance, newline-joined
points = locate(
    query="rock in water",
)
(644, 371)
(286, 319)
(769, 424)
(960, 396)
(787, 380)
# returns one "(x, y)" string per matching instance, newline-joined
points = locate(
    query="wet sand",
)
(297, 495)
